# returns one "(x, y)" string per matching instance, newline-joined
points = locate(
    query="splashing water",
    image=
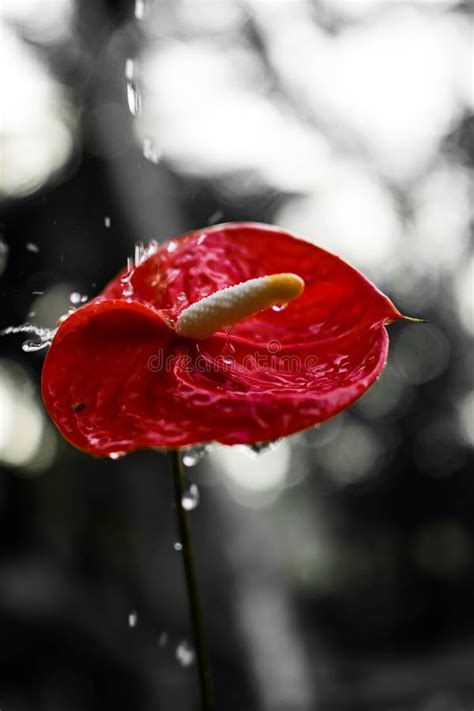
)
(133, 618)
(193, 455)
(191, 497)
(185, 654)
(134, 98)
(45, 336)
(141, 254)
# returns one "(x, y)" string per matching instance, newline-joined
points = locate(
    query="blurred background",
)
(337, 568)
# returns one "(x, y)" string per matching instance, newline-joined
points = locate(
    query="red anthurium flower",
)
(168, 356)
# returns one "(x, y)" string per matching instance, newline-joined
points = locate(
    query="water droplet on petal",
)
(171, 246)
(185, 654)
(178, 546)
(191, 497)
(279, 307)
(116, 455)
(134, 98)
(133, 618)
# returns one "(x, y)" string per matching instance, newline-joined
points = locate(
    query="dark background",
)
(336, 569)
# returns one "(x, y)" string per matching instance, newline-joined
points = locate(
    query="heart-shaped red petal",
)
(117, 378)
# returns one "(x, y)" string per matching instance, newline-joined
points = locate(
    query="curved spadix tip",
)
(232, 304)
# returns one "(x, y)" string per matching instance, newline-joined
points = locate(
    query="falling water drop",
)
(134, 98)
(193, 455)
(150, 151)
(132, 618)
(116, 455)
(32, 247)
(184, 654)
(129, 68)
(139, 9)
(107, 221)
(163, 639)
(178, 546)
(191, 497)
(215, 217)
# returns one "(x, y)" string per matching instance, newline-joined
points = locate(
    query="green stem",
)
(191, 580)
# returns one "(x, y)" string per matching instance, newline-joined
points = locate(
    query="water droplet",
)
(215, 217)
(193, 455)
(132, 618)
(37, 293)
(76, 298)
(181, 298)
(150, 151)
(116, 455)
(185, 654)
(171, 246)
(129, 68)
(163, 639)
(279, 307)
(191, 497)
(228, 352)
(32, 247)
(139, 9)
(134, 98)
(107, 221)
(178, 546)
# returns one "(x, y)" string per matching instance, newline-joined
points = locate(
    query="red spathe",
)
(117, 378)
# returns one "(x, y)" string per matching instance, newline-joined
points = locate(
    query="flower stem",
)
(191, 580)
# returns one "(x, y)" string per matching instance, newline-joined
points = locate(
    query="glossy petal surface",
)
(117, 378)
